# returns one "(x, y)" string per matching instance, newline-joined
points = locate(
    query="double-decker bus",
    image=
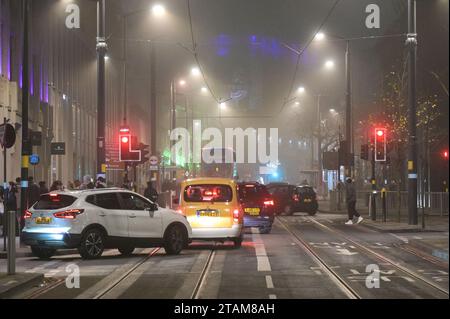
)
(219, 167)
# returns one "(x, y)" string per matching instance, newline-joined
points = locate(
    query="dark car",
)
(258, 206)
(291, 198)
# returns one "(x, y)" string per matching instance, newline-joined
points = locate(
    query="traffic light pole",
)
(373, 181)
(348, 112)
(101, 52)
(25, 98)
(411, 44)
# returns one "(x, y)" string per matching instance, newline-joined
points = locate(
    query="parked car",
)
(212, 208)
(258, 206)
(291, 198)
(95, 219)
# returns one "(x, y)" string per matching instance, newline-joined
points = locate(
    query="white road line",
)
(262, 260)
(403, 239)
(269, 282)
(272, 296)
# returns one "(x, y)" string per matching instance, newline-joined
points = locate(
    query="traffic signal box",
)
(127, 146)
(380, 145)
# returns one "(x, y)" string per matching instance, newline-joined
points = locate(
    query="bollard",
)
(11, 243)
(4, 227)
(373, 206)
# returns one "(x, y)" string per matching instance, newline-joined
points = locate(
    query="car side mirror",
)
(153, 207)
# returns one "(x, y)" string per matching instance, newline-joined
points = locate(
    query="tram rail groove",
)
(203, 274)
(380, 257)
(124, 276)
(335, 277)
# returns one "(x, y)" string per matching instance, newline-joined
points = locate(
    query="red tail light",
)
(28, 214)
(268, 203)
(296, 197)
(237, 215)
(69, 214)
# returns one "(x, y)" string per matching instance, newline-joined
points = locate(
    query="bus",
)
(219, 166)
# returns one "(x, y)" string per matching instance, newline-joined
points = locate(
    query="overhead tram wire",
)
(195, 54)
(300, 54)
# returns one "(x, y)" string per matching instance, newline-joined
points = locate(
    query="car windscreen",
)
(208, 193)
(54, 201)
(252, 192)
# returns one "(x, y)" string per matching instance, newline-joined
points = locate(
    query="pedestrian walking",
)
(101, 182)
(33, 192)
(350, 193)
(87, 182)
(150, 192)
(56, 186)
(43, 189)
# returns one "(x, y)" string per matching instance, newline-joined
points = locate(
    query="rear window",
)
(252, 192)
(208, 193)
(54, 201)
(305, 190)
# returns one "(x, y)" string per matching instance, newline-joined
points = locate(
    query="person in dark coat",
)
(350, 193)
(43, 189)
(33, 192)
(150, 192)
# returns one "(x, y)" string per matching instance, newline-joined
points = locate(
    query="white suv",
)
(95, 219)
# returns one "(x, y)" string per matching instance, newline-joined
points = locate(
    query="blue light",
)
(223, 43)
(275, 174)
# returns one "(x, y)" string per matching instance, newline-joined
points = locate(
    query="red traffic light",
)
(380, 133)
(124, 139)
(445, 153)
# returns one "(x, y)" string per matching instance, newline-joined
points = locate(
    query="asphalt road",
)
(303, 258)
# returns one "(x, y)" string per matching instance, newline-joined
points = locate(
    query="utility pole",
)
(153, 75)
(102, 47)
(319, 145)
(348, 113)
(411, 43)
(25, 99)
(172, 121)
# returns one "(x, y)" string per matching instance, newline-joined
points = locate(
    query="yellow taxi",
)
(212, 208)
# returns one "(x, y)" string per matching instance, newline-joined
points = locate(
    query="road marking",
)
(272, 296)
(269, 282)
(403, 239)
(263, 263)
(42, 267)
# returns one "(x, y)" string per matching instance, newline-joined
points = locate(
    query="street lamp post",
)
(101, 52)
(411, 44)
(348, 113)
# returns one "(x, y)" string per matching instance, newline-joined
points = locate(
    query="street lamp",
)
(329, 64)
(158, 10)
(195, 72)
(319, 36)
(301, 89)
(182, 82)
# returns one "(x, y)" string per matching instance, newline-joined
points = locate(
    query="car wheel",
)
(126, 250)
(92, 244)
(175, 240)
(265, 230)
(42, 252)
(288, 210)
(238, 241)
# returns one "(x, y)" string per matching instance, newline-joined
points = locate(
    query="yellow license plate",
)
(307, 201)
(43, 220)
(207, 213)
(252, 211)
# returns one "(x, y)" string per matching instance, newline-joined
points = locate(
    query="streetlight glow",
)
(329, 64)
(319, 36)
(301, 89)
(204, 90)
(223, 105)
(195, 71)
(182, 82)
(158, 10)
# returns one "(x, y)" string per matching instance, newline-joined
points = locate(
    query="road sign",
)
(7, 135)
(153, 160)
(58, 148)
(154, 168)
(115, 166)
(34, 159)
(35, 138)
